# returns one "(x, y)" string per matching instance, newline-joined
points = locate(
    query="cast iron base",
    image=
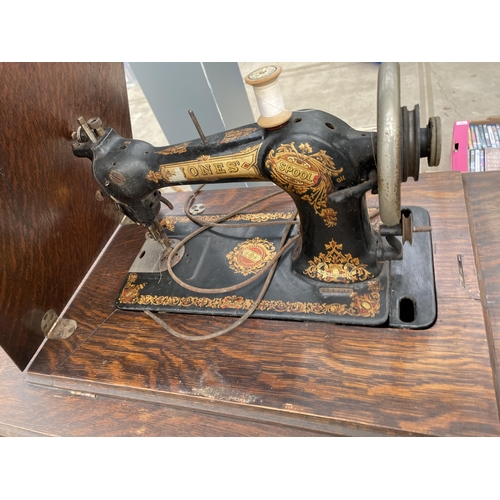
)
(403, 295)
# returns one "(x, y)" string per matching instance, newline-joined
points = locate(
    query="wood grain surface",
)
(28, 410)
(304, 377)
(483, 205)
(52, 228)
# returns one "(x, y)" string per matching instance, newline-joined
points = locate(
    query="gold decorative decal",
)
(251, 256)
(130, 292)
(170, 221)
(308, 174)
(241, 165)
(232, 135)
(154, 176)
(174, 150)
(335, 267)
(366, 305)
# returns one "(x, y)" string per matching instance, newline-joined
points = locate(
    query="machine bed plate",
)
(221, 257)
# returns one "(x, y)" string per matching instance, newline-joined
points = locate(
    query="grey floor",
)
(453, 91)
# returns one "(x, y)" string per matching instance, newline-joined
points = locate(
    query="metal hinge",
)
(54, 327)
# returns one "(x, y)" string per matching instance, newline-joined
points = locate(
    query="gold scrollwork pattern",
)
(250, 256)
(130, 292)
(306, 173)
(336, 267)
(170, 221)
(366, 305)
(155, 176)
(174, 150)
(232, 135)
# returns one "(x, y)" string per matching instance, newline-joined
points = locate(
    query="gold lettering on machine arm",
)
(240, 165)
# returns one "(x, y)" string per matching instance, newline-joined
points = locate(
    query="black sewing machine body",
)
(342, 267)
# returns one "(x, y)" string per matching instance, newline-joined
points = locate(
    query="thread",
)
(269, 99)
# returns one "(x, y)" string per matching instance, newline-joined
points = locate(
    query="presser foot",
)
(401, 296)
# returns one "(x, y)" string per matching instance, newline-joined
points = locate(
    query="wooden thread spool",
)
(268, 94)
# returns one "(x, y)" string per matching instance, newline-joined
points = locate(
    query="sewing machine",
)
(333, 260)
(121, 374)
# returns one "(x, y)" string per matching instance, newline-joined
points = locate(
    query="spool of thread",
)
(268, 94)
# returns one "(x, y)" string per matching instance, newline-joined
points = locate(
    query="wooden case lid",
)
(52, 228)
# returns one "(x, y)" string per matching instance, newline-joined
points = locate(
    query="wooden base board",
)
(290, 376)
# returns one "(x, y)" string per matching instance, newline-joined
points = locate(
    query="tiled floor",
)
(453, 91)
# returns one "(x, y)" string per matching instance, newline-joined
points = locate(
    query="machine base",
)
(403, 295)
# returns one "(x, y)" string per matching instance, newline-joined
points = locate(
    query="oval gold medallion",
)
(251, 256)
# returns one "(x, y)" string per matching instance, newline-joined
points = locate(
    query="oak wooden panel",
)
(436, 381)
(483, 199)
(484, 208)
(52, 228)
(28, 410)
